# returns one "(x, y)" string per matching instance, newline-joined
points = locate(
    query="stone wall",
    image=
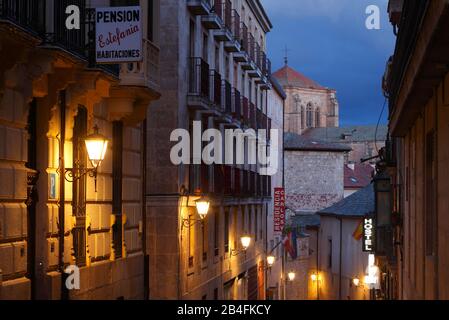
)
(314, 180)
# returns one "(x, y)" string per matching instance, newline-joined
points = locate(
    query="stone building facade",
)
(340, 255)
(414, 255)
(215, 71)
(308, 104)
(52, 93)
(275, 278)
(314, 174)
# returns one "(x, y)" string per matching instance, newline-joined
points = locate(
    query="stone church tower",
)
(308, 104)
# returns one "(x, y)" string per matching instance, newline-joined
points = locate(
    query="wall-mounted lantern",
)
(271, 260)
(245, 241)
(96, 146)
(202, 208)
(291, 276)
(383, 214)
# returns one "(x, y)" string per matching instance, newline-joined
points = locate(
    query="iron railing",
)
(216, 87)
(227, 95)
(237, 106)
(228, 14)
(244, 38)
(236, 25)
(199, 84)
(245, 104)
(28, 14)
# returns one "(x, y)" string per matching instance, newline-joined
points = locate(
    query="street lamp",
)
(202, 207)
(96, 146)
(271, 260)
(291, 276)
(356, 282)
(245, 241)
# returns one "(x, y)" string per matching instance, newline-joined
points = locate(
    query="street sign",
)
(279, 210)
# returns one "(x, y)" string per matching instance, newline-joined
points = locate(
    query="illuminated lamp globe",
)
(202, 207)
(96, 146)
(246, 241)
(271, 260)
(291, 276)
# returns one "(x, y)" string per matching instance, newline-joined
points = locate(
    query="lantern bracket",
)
(75, 174)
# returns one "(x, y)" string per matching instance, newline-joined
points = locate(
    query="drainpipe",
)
(61, 211)
(341, 261)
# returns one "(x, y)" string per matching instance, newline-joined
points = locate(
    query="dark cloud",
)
(336, 50)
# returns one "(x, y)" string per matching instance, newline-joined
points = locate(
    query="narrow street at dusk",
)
(196, 151)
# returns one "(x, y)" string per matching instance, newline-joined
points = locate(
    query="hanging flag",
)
(358, 233)
(290, 244)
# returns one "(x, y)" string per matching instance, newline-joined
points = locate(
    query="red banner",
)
(279, 209)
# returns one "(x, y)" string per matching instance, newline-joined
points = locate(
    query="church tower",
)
(308, 104)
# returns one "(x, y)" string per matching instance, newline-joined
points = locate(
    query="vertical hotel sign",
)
(118, 35)
(368, 234)
(279, 210)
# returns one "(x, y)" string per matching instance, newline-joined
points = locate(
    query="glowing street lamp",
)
(96, 146)
(291, 276)
(246, 241)
(271, 260)
(202, 207)
(356, 281)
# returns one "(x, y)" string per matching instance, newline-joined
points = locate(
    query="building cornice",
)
(260, 14)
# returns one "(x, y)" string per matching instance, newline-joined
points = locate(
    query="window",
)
(317, 119)
(329, 260)
(309, 120)
(117, 178)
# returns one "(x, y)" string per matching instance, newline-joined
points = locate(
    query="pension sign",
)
(118, 34)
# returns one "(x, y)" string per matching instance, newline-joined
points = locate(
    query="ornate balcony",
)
(237, 105)
(199, 84)
(234, 44)
(224, 10)
(214, 20)
(243, 56)
(145, 73)
(26, 14)
(216, 88)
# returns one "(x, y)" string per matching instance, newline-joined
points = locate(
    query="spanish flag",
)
(358, 233)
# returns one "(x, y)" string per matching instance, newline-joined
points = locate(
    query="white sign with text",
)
(118, 35)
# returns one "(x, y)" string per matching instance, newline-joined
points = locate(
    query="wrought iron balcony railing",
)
(237, 105)
(27, 14)
(216, 87)
(236, 25)
(199, 82)
(227, 95)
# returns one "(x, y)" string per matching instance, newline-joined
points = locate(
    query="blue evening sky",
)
(329, 43)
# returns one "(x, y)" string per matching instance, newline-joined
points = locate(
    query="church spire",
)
(286, 56)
